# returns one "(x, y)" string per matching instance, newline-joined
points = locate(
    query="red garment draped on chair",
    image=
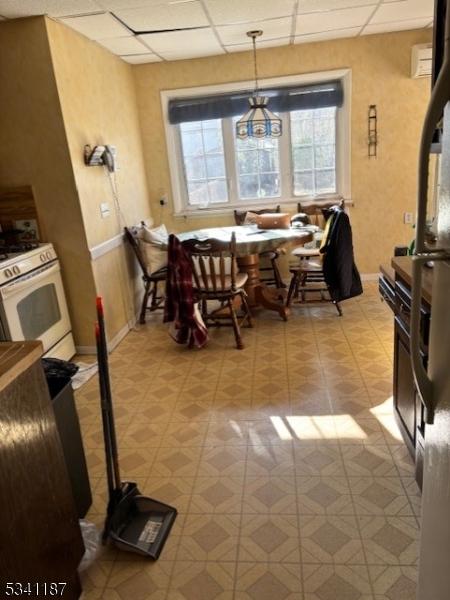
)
(180, 308)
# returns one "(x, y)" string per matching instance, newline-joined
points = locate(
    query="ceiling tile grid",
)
(273, 29)
(153, 30)
(183, 44)
(164, 16)
(327, 35)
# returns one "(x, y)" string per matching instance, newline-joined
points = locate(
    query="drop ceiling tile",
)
(124, 45)
(97, 27)
(309, 6)
(164, 16)
(285, 41)
(327, 35)
(188, 54)
(236, 11)
(403, 10)
(13, 9)
(183, 44)
(334, 19)
(113, 5)
(136, 59)
(395, 26)
(272, 29)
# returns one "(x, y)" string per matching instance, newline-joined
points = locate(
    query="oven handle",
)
(16, 286)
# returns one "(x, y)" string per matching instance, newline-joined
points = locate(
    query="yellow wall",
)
(382, 189)
(33, 151)
(98, 103)
(58, 92)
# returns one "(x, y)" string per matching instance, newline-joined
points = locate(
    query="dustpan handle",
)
(108, 396)
(105, 420)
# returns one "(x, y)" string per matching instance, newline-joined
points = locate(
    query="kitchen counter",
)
(395, 288)
(41, 537)
(402, 265)
(15, 358)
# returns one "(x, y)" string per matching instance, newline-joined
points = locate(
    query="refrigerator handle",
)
(438, 101)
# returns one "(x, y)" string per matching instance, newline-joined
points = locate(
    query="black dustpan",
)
(133, 522)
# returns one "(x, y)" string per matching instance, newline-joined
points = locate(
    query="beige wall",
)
(98, 103)
(58, 92)
(382, 189)
(33, 151)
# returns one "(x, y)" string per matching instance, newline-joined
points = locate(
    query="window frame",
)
(176, 165)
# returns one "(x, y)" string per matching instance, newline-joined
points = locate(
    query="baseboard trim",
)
(115, 341)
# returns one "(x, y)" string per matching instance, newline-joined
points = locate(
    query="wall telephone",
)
(101, 155)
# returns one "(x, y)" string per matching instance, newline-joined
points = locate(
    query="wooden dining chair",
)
(151, 280)
(308, 276)
(272, 256)
(216, 277)
(313, 212)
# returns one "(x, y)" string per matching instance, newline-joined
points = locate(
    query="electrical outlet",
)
(105, 211)
(408, 218)
(163, 200)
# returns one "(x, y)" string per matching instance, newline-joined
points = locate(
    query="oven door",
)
(34, 307)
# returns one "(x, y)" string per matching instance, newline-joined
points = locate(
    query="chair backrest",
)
(316, 209)
(214, 266)
(132, 237)
(239, 215)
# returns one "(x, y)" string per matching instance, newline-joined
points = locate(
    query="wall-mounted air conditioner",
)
(421, 60)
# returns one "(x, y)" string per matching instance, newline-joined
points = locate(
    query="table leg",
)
(250, 265)
(258, 293)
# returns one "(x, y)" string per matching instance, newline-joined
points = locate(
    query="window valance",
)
(283, 99)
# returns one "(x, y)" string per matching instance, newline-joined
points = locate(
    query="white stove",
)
(32, 301)
(20, 262)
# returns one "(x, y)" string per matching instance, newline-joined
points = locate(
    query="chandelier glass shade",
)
(258, 121)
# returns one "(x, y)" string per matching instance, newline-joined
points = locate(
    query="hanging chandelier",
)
(258, 121)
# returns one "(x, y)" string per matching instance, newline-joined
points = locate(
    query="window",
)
(313, 145)
(204, 162)
(258, 167)
(212, 168)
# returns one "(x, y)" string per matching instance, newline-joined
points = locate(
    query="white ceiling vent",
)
(421, 60)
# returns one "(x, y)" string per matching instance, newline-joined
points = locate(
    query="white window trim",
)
(343, 142)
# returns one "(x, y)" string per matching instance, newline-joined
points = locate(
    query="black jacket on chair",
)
(340, 272)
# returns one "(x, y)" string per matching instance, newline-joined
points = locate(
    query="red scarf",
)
(179, 307)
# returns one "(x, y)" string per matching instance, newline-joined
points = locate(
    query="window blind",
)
(283, 99)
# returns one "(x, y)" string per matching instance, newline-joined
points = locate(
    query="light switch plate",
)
(105, 211)
(408, 218)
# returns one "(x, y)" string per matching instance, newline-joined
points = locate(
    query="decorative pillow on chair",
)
(251, 218)
(156, 235)
(151, 241)
(155, 256)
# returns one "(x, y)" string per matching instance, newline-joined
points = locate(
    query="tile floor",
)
(283, 460)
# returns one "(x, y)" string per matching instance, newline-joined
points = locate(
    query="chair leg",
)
(276, 273)
(338, 307)
(248, 314)
(236, 328)
(204, 308)
(154, 296)
(292, 288)
(303, 281)
(144, 302)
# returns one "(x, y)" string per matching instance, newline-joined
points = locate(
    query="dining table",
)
(250, 243)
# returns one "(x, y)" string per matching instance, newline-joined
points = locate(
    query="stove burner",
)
(18, 248)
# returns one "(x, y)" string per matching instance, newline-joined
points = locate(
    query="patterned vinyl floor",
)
(283, 460)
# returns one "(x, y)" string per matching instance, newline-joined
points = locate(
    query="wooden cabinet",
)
(395, 289)
(404, 391)
(40, 535)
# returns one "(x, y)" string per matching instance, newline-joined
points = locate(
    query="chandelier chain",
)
(255, 65)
